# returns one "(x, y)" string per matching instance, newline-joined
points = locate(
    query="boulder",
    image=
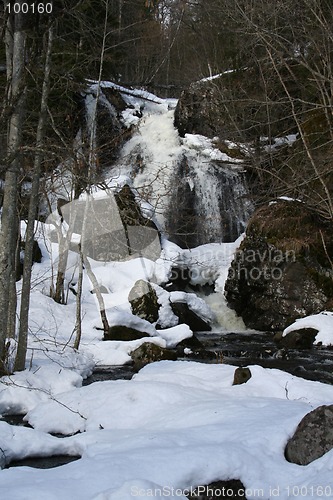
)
(111, 131)
(142, 237)
(299, 339)
(281, 271)
(115, 230)
(124, 333)
(198, 110)
(189, 317)
(143, 300)
(149, 353)
(241, 375)
(179, 280)
(231, 488)
(313, 437)
(130, 211)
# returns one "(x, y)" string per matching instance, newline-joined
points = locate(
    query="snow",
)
(194, 303)
(206, 264)
(206, 146)
(176, 425)
(277, 142)
(323, 322)
(214, 77)
(284, 198)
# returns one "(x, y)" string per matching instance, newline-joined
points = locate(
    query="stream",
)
(244, 349)
(258, 348)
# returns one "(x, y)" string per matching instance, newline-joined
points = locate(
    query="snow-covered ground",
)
(175, 425)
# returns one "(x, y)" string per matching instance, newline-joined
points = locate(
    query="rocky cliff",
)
(282, 270)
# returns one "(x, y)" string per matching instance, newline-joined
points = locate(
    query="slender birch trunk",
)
(91, 178)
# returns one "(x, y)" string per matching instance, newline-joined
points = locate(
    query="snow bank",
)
(24, 390)
(323, 322)
(174, 426)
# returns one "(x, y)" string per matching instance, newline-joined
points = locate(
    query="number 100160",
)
(29, 8)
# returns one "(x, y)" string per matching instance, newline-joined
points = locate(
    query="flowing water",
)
(196, 197)
(258, 348)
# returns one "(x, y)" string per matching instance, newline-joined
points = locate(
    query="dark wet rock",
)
(130, 211)
(191, 343)
(117, 372)
(149, 353)
(179, 279)
(36, 257)
(143, 300)
(232, 488)
(111, 132)
(189, 219)
(44, 462)
(36, 253)
(124, 333)
(241, 375)
(198, 110)
(194, 349)
(189, 317)
(281, 271)
(15, 419)
(299, 339)
(313, 437)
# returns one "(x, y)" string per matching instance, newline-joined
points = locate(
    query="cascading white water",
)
(226, 318)
(181, 179)
(199, 195)
(150, 159)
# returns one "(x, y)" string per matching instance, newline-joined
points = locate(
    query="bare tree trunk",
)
(8, 234)
(33, 208)
(99, 295)
(91, 177)
(59, 292)
(78, 322)
(88, 269)
(12, 298)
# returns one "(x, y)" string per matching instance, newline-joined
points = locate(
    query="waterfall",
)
(209, 202)
(197, 194)
(226, 318)
(197, 198)
(150, 159)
